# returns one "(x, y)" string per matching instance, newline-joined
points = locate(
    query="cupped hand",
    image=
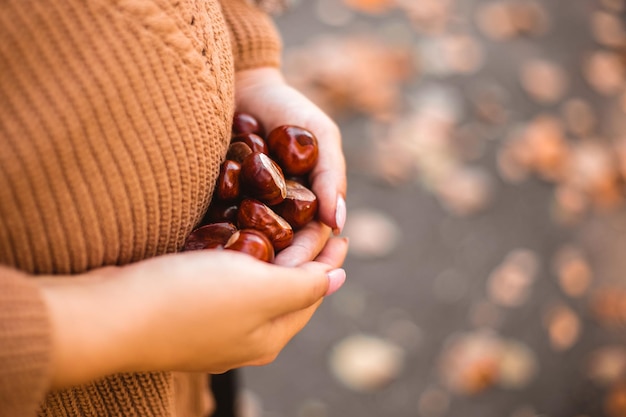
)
(263, 93)
(229, 306)
(204, 311)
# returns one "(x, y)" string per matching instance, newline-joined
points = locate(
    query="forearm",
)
(96, 323)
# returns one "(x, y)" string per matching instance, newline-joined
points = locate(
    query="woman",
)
(114, 118)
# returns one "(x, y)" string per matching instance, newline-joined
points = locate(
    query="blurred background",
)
(486, 150)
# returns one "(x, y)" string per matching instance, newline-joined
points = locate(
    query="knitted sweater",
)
(114, 118)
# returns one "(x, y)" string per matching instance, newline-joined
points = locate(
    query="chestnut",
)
(246, 123)
(221, 211)
(299, 206)
(210, 236)
(294, 148)
(253, 214)
(253, 243)
(263, 179)
(300, 179)
(254, 141)
(227, 187)
(238, 151)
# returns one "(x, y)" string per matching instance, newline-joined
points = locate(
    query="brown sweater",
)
(114, 117)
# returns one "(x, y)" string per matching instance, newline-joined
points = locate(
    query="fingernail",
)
(340, 215)
(336, 278)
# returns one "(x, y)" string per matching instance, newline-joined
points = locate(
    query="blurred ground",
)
(486, 158)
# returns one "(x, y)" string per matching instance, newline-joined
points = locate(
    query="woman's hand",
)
(263, 93)
(204, 311)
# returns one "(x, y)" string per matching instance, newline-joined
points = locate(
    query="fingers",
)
(329, 261)
(283, 328)
(334, 253)
(306, 245)
(292, 289)
(328, 179)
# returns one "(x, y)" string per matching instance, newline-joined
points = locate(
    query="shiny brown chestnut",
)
(246, 123)
(238, 151)
(299, 206)
(294, 148)
(253, 243)
(221, 211)
(210, 236)
(254, 141)
(253, 214)
(263, 179)
(227, 186)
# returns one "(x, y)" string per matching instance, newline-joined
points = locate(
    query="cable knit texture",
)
(114, 118)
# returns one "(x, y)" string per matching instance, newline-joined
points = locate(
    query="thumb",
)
(294, 289)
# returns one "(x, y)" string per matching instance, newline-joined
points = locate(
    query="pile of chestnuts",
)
(261, 195)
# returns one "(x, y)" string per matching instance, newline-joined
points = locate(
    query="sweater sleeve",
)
(254, 37)
(25, 345)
